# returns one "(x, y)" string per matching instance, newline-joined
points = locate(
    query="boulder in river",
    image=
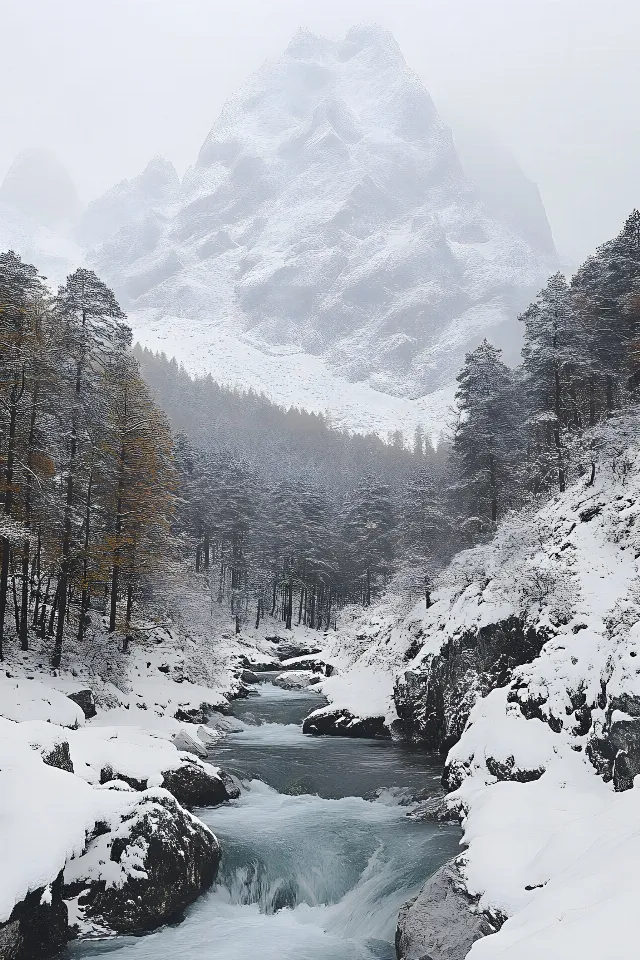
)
(197, 785)
(342, 723)
(297, 679)
(145, 870)
(442, 922)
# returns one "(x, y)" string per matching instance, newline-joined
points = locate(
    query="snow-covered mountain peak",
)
(327, 218)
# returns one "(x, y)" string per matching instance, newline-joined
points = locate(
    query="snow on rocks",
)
(25, 698)
(545, 773)
(296, 679)
(146, 868)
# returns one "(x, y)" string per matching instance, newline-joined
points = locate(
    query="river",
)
(318, 853)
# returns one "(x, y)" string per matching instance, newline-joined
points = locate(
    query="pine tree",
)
(484, 445)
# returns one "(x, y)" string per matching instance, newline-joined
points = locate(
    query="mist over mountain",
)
(39, 207)
(502, 185)
(327, 218)
(39, 187)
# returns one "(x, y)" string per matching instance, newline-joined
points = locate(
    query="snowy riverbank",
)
(525, 669)
(118, 755)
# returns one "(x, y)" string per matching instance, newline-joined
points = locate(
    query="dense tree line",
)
(286, 514)
(525, 432)
(86, 459)
(273, 509)
(116, 464)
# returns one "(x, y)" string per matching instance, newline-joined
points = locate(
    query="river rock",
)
(434, 699)
(199, 714)
(37, 926)
(288, 650)
(441, 923)
(296, 679)
(315, 663)
(249, 676)
(185, 742)
(159, 859)
(342, 723)
(196, 785)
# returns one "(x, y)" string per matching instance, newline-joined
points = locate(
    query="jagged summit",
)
(328, 217)
(156, 188)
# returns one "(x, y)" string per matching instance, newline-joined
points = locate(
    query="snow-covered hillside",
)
(527, 661)
(326, 231)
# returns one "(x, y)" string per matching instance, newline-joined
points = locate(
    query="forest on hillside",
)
(120, 470)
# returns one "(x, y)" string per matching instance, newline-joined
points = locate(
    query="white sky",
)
(108, 84)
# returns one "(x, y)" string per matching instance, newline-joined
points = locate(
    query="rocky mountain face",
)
(327, 216)
(152, 192)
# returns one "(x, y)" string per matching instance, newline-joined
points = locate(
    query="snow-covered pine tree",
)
(551, 356)
(485, 450)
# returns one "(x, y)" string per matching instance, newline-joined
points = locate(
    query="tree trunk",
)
(368, 596)
(206, 549)
(16, 611)
(84, 598)
(609, 394)
(127, 619)
(54, 607)
(16, 396)
(115, 575)
(221, 584)
(289, 625)
(38, 582)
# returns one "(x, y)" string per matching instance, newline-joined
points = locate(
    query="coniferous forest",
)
(118, 467)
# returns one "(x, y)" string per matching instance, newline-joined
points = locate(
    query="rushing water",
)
(318, 853)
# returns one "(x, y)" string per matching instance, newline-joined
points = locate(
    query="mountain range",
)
(330, 245)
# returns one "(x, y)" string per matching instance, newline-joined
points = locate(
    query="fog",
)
(106, 85)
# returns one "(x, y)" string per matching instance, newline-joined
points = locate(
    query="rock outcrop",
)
(442, 922)
(85, 700)
(434, 699)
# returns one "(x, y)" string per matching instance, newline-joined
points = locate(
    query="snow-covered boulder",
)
(342, 723)
(26, 698)
(146, 868)
(197, 784)
(296, 679)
